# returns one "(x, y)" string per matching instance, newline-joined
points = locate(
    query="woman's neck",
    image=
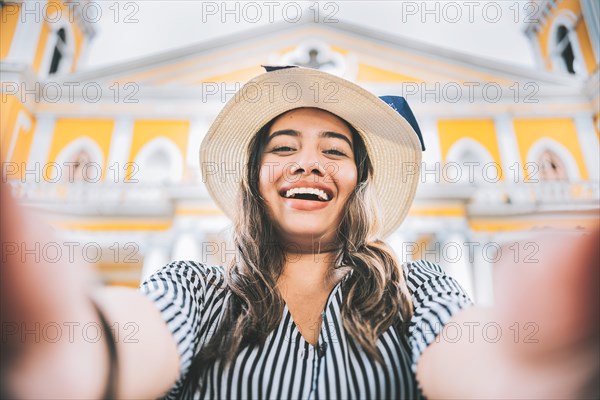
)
(310, 272)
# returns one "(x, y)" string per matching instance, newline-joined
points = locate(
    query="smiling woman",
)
(315, 303)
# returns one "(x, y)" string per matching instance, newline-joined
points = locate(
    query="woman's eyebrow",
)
(324, 134)
(336, 135)
(289, 132)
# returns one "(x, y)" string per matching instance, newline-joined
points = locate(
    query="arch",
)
(466, 151)
(542, 146)
(564, 48)
(79, 150)
(159, 161)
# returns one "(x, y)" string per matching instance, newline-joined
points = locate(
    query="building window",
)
(564, 48)
(60, 51)
(314, 60)
(551, 167)
(318, 55)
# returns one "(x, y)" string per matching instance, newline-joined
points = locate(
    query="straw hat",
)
(387, 126)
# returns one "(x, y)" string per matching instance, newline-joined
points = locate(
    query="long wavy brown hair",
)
(375, 297)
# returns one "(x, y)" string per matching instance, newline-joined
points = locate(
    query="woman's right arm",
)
(148, 358)
(53, 345)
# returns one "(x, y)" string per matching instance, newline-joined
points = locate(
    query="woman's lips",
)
(304, 205)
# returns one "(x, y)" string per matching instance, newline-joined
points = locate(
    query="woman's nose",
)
(303, 169)
(307, 163)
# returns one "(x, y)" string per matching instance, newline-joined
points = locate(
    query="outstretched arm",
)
(46, 353)
(539, 340)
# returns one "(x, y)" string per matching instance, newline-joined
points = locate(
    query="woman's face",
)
(307, 173)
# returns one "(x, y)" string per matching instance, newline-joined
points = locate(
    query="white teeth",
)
(292, 192)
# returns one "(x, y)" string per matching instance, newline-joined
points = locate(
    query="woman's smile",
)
(306, 197)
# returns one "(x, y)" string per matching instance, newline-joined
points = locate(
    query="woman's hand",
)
(40, 298)
(556, 297)
(542, 336)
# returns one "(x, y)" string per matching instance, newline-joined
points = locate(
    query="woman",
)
(314, 305)
(308, 240)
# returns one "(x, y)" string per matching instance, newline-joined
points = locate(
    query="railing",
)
(545, 193)
(87, 193)
(542, 193)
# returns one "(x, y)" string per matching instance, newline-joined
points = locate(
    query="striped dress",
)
(191, 295)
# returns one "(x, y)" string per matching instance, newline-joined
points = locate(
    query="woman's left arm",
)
(539, 340)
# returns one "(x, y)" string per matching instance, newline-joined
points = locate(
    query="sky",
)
(127, 30)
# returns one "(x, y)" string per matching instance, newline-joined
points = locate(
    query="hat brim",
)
(392, 144)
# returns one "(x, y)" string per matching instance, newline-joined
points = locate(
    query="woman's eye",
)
(282, 148)
(335, 152)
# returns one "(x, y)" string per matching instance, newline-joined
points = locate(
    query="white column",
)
(120, 146)
(408, 250)
(509, 148)
(590, 147)
(396, 242)
(42, 138)
(155, 259)
(483, 273)
(455, 256)
(537, 51)
(198, 128)
(186, 248)
(432, 156)
(27, 34)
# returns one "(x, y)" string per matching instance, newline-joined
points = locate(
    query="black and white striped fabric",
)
(191, 298)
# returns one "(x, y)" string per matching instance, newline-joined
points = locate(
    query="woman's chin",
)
(306, 235)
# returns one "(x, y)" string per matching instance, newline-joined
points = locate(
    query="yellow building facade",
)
(111, 154)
